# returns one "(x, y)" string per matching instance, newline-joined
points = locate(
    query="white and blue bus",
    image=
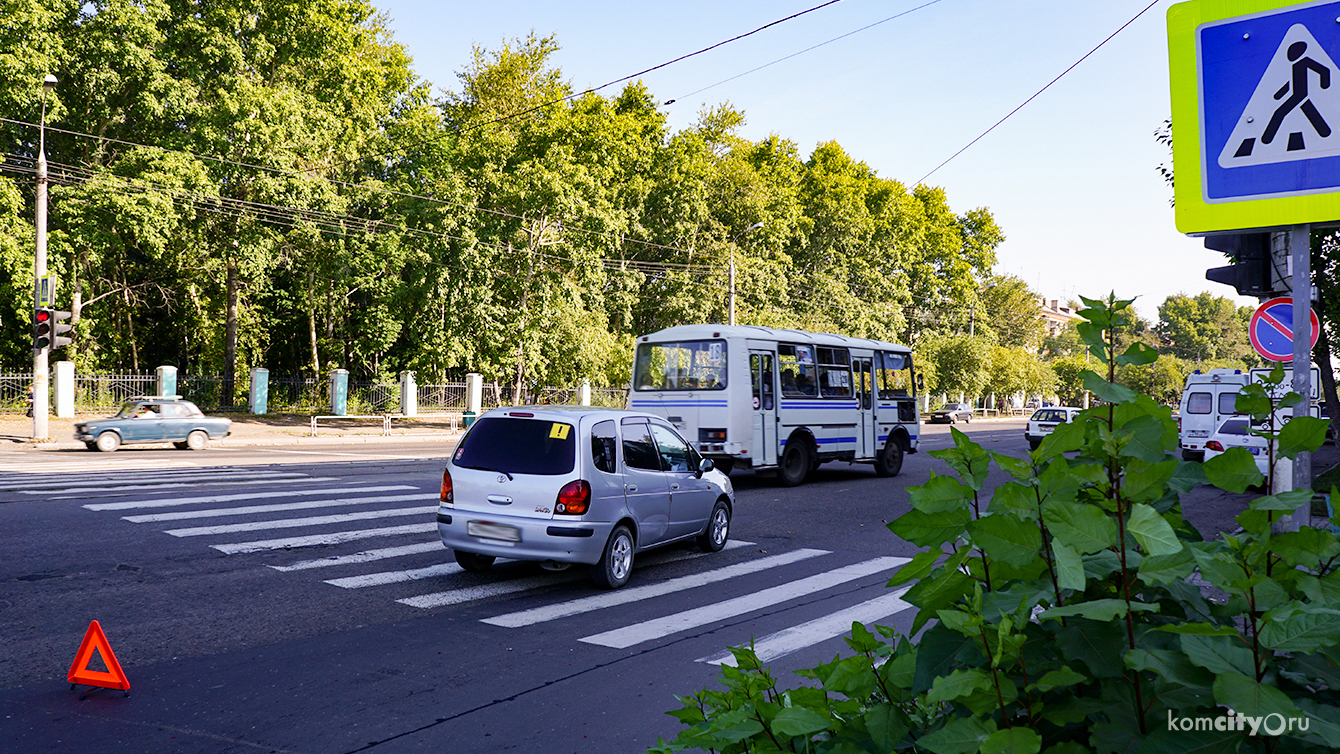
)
(783, 400)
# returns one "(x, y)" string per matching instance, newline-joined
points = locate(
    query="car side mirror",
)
(705, 466)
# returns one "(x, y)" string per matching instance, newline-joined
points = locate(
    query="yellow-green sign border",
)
(1194, 214)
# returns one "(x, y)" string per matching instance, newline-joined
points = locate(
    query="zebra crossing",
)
(377, 535)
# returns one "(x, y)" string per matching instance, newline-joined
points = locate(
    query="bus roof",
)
(707, 332)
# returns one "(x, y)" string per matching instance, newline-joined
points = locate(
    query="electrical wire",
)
(802, 52)
(1039, 92)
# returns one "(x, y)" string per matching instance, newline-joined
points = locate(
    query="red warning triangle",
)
(113, 677)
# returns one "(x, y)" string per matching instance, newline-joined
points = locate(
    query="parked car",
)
(1044, 420)
(574, 484)
(1236, 433)
(952, 413)
(153, 419)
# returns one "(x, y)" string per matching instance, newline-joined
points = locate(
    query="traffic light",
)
(1250, 274)
(58, 329)
(42, 322)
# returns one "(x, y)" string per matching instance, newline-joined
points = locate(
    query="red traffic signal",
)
(41, 329)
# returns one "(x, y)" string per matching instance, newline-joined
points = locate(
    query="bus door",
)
(866, 428)
(764, 415)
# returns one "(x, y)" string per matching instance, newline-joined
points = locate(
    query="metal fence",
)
(106, 392)
(214, 392)
(298, 395)
(448, 396)
(14, 392)
(374, 397)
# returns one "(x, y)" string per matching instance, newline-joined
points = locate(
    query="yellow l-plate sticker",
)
(560, 431)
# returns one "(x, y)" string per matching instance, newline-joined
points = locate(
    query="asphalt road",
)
(243, 626)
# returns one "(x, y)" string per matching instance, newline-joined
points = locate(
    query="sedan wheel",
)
(718, 528)
(108, 442)
(197, 440)
(616, 563)
(967, 419)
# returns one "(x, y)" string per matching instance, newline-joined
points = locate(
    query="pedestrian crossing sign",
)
(1256, 113)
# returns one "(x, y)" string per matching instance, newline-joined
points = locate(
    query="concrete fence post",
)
(409, 395)
(167, 381)
(339, 392)
(584, 393)
(258, 398)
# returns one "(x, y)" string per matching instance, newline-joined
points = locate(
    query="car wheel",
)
(890, 460)
(952, 420)
(473, 561)
(108, 442)
(197, 440)
(616, 563)
(795, 463)
(1033, 444)
(714, 536)
(967, 419)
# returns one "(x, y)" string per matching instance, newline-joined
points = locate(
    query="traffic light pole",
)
(40, 375)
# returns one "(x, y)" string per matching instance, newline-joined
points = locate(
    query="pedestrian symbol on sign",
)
(1287, 101)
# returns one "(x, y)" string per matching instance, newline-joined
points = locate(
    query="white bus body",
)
(1207, 400)
(783, 400)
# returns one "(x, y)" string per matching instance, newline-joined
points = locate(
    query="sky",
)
(1072, 178)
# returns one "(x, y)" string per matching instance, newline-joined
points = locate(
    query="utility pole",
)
(730, 320)
(1300, 252)
(41, 391)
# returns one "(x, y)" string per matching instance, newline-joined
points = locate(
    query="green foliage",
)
(1061, 615)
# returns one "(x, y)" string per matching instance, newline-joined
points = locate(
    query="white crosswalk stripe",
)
(102, 482)
(622, 638)
(821, 629)
(367, 556)
(181, 501)
(634, 594)
(250, 509)
(317, 540)
(294, 523)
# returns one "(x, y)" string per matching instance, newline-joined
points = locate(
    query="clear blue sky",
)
(1071, 178)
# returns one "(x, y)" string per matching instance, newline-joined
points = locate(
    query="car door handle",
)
(674, 486)
(630, 487)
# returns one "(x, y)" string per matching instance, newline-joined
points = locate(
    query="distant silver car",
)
(153, 419)
(952, 413)
(575, 484)
(1044, 420)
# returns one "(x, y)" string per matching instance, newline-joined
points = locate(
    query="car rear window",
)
(1234, 427)
(519, 446)
(1048, 415)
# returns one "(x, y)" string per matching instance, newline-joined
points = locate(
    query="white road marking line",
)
(316, 540)
(821, 629)
(294, 523)
(249, 509)
(354, 455)
(67, 465)
(172, 502)
(366, 556)
(104, 489)
(622, 638)
(165, 476)
(469, 594)
(396, 577)
(634, 594)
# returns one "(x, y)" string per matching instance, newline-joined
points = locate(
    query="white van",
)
(1207, 400)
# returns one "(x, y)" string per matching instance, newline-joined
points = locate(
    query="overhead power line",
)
(1040, 91)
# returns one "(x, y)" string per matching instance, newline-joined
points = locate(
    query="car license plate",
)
(485, 530)
(1255, 451)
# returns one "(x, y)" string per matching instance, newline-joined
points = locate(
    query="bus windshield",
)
(895, 375)
(691, 365)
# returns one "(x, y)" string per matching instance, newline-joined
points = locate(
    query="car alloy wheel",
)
(616, 563)
(718, 528)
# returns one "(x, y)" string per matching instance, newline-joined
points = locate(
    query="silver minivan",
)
(576, 484)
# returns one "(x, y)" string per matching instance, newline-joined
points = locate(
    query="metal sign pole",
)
(1300, 251)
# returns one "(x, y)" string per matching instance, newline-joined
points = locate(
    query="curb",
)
(238, 442)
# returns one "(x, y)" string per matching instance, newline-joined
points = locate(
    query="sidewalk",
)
(276, 429)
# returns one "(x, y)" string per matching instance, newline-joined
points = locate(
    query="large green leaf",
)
(1108, 392)
(1006, 538)
(1247, 697)
(1016, 740)
(939, 494)
(1302, 433)
(936, 593)
(1188, 475)
(1165, 569)
(800, 721)
(919, 567)
(1086, 528)
(887, 725)
(1284, 501)
(1148, 439)
(1305, 631)
(1059, 678)
(1233, 471)
(1099, 610)
(1173, 666)
(1323, 722)
(962, 735)
(1065, 438)
(940, 649)
(1069, 567)
(1149, 482)
(930, 529)
(1138, 354)
(1152, 531)
(1218, 654)
(1094, 644)
(958, 684)
(1017, 499)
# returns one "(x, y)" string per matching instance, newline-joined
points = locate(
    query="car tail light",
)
(574, 498)
(446, 494)
(1214, 445)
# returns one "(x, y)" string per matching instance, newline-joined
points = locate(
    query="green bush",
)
(1076, 610)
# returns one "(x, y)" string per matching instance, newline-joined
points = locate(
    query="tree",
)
(1161, 380)
(1205, 327)
(961, 364)
(1010, 310)
(1069, 379)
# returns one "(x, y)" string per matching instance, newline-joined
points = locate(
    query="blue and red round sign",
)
(1271, 329)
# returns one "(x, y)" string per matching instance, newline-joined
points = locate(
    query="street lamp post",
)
(755, 226)
(40, 376)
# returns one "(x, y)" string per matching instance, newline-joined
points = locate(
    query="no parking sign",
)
(1271, 329)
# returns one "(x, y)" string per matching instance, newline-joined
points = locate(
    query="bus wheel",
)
(795, 463)
(890, 460)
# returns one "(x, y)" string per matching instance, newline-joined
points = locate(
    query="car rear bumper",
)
(560, 540)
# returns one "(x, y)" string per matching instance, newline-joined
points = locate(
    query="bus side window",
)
(753, 379)
(767, 382)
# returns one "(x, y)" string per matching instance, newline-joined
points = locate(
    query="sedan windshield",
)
(518, 446)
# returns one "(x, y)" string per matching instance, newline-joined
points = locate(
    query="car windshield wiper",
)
(487, 468)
